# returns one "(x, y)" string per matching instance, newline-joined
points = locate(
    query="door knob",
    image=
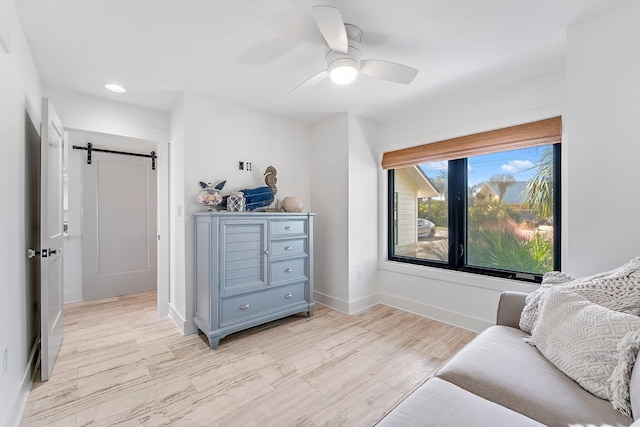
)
(32, 253)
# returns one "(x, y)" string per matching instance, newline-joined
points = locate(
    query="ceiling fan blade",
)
(389, 71)
(331, 26)
(311, 81)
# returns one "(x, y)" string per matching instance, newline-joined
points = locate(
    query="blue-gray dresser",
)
(251, 268)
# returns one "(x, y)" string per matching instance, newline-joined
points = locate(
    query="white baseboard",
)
(362, 304)
(71, 297)
(335, 303)
(187, 327)
(176, 318)
(347, 307)
(435, 313)
(21, 395)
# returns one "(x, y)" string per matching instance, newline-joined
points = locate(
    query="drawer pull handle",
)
(287, 227)
(288, 296)
(288, 248)
(244, 306)
(288, 270)
(266, 252)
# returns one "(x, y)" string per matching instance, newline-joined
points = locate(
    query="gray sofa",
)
(499, 380)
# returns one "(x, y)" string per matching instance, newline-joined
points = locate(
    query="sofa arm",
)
(510, 307)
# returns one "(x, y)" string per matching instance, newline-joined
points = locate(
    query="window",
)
(487, 203)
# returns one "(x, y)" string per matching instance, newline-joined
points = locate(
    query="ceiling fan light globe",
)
(343, 74)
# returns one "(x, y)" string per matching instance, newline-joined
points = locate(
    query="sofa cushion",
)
(581, 338)
(440, 403)
(499, 366)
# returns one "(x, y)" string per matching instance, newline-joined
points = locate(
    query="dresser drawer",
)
(287, 227)
(280, 248)
(240, 307)
(288, 270)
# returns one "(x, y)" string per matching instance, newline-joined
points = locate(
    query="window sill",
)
(458, 277)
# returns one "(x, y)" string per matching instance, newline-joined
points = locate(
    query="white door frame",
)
(104, 140)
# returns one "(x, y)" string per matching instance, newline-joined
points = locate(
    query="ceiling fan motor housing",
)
(343, 55)
(352, 57)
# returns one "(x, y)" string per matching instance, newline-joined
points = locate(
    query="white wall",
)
(603, 150)
(344, 194)
(216, 136)
(85, 112)
(329, 195)
(20, 101)
(459, 298)
(536, 97)
(177, 290)
(363, 215)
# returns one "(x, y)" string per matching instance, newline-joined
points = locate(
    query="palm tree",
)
(539, 190)
(441, 182)
(503, 181)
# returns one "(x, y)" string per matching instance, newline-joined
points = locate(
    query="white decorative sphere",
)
(292, 204)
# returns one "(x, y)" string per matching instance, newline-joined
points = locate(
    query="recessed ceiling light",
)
(114, 87)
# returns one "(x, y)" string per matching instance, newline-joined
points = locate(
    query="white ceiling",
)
(254, 52)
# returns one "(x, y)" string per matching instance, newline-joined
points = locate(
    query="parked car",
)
(426, 228)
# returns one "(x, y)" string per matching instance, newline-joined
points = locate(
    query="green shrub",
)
(505, 249)
(433, 210)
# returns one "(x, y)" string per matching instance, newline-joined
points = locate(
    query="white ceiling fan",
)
(344, 58)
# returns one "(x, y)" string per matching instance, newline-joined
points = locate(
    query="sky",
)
(519, 163)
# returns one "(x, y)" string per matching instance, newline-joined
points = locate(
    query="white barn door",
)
(119, 226)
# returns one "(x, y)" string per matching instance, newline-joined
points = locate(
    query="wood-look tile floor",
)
(120, 364)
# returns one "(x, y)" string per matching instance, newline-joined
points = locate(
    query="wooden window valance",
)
(542, 132)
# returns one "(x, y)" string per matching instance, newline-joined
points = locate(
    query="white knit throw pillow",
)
(581, 338)
(618, 290)
(627, 353)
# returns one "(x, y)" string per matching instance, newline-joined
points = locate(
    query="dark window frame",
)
(457, 211)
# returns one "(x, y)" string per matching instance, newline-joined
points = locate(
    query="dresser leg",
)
(213, 342)
(312, 307)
